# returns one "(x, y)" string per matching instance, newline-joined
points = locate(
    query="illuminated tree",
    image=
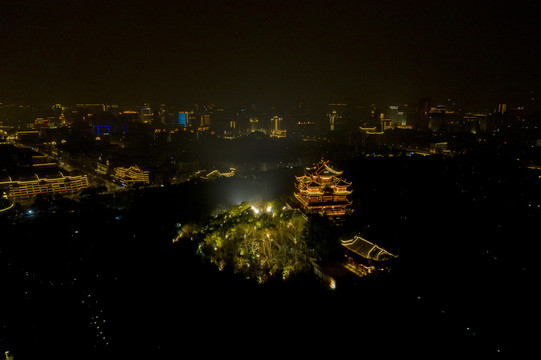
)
(260, 241)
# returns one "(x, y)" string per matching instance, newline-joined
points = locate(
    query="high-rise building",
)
(385, 123)
(276, 131)
(145, 114)
(254, 124)
(477, 123)
(205, 120)
(183, 119)
(486, 124)
(276, 120)
(401, 118)
(334, 116)
(436, 118)
(425, 104)
(393, 115)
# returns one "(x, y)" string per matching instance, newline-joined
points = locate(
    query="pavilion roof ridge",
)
(366, 248)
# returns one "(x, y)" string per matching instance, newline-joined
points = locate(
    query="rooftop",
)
(367, 249)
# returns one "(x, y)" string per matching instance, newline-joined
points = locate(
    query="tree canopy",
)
(260, 241)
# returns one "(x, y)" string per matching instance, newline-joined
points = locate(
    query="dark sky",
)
(227, 51)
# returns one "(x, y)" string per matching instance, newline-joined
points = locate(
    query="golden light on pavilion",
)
(321, 190)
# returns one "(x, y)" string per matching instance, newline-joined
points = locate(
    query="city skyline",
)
(217, 176)
(272, 52)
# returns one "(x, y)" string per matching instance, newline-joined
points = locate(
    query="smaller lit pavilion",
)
(364, 257)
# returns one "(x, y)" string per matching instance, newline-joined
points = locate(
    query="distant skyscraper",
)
(393, 115)
(373, 117)
(276, 123)
(486, 124)
(385, 123)
(254, 124)
(276, 131)
(205, 120)
(425, 104)
(146, 114)
(183, 119)
(401, 115)
(333, 117)
(436, 118)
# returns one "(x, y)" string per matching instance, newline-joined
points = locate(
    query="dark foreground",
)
(100, 278)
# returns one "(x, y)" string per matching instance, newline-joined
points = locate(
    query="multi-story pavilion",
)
(321, 190)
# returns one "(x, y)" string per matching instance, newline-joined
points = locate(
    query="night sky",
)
(268, 51)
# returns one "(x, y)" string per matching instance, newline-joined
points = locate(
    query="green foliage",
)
(260, 241)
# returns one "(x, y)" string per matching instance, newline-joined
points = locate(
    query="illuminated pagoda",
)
(321, 190)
